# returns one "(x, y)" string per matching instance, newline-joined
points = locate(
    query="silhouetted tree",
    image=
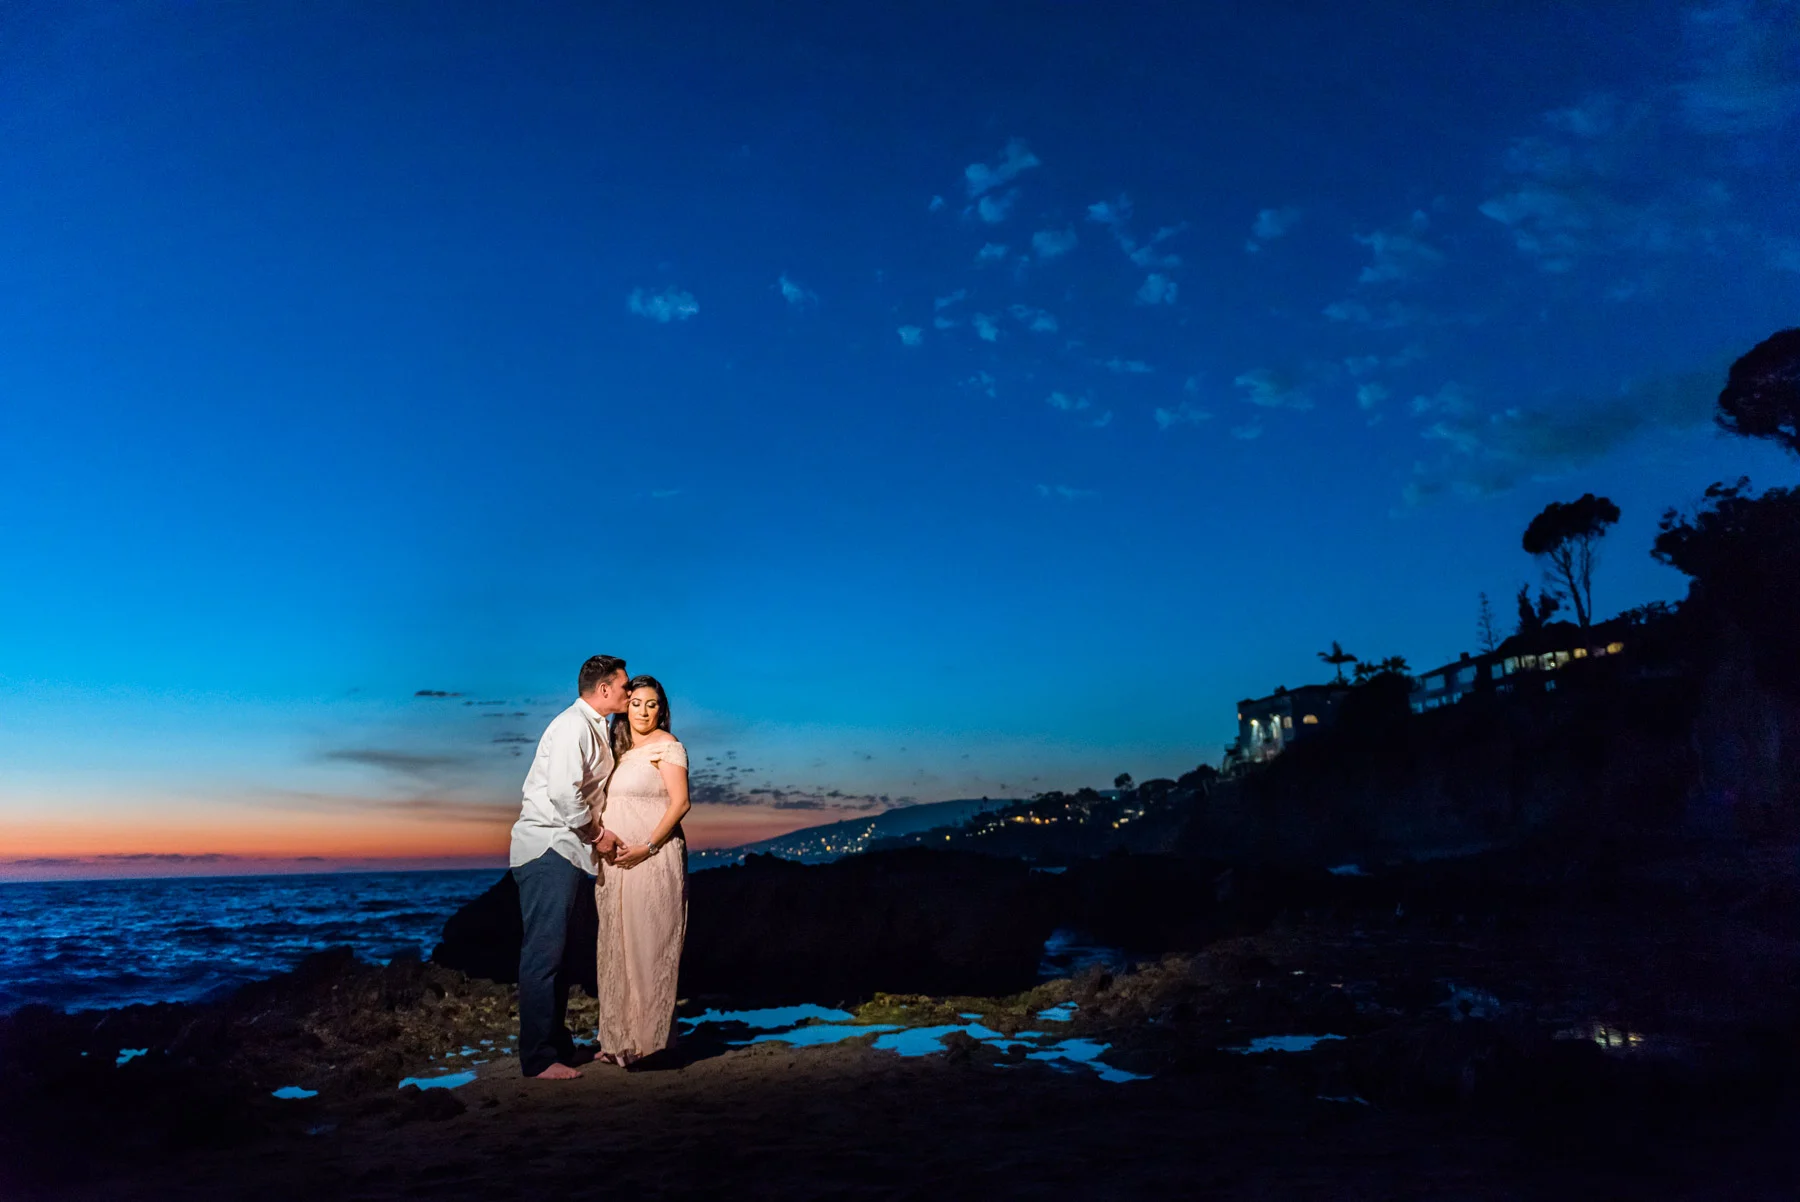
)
(1761, 398)
(1533, 616)
(1337, 657)
(1393, 665)
(1566, 539)
(1743, 553)
(1485, 634)
(1122, 782)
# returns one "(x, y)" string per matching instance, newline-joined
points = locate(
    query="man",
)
(556, 845)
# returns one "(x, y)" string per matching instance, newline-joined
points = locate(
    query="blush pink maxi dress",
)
(643, 910)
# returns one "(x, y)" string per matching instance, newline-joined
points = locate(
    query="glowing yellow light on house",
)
(1614, 648)
(1310, 720)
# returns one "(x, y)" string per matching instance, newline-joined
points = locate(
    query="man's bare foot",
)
(559, 1072)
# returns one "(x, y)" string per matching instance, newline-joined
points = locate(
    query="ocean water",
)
(80, 945)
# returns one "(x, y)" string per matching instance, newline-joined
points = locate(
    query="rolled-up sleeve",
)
(572, 790)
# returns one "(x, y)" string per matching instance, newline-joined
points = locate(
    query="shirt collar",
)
(593, 715)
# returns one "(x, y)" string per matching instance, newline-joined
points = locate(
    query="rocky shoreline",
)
(1507, 1025)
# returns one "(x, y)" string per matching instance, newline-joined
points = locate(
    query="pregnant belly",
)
(634, 819)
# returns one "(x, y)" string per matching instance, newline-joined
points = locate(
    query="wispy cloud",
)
(1110, 212)
(1371, 395)
(1129, 367)
(991, 252)
(1269, 225)
(911, 335)
(1744, 59)
(1062, 492)
(1186, 413)
(796, 295)
(1273, 389)
(994, 207)
(1248, 431)
(1039, 321)
(1492, 451)
(944, 302)
(402, 763)
(981, 381)
(1400, 254)
(1385, 315)
(936, 203)
(986, 327)
(1091, 414)
(1148, 255)
(1015, 158)
(671, 304)
(1050, 243)
(1158, 289)
(941, 322)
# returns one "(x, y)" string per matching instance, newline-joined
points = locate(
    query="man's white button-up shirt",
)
(565, 789)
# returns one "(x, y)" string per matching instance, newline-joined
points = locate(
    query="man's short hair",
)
(597, 671)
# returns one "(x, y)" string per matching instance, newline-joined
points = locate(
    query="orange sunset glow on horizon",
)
(211, 840)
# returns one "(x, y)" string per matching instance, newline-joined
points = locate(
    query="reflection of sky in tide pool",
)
(1059, 1014)
(773, 1018)
(925, 1041)
(1284, 1043)
(129, 1054)
(447, 1081)
(288, 1093)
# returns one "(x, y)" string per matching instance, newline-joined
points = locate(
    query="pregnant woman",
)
(642, 892)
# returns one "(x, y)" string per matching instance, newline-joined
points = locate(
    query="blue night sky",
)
(942, 400)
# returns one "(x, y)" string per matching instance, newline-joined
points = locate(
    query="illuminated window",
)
(1580, 653)
(1562, 657)
(1614, 648)
(1287, 721)
(1310, 720)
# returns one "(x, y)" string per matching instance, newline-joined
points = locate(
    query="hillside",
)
(819, 844)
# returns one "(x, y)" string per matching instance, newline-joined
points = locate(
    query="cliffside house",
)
(1269, 725)
(1523, 659)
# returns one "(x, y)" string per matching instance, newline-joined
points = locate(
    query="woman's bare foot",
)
(559, 1072)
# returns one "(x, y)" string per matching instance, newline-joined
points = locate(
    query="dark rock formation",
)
(776, 931)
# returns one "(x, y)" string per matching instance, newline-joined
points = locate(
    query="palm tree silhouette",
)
(1337, 657)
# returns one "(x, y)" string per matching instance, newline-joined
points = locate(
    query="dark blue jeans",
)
(549, 890)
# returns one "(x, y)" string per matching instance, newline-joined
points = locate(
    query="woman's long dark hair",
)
(621, 730)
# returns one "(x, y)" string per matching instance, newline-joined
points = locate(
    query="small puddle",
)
(447, 1081)
(773, 1018)
(819, 1027)
(1087, 1052)
(1283, 1043)
(290, 1092)
(127, 1055)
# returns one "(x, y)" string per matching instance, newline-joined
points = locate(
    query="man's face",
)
(609, 694)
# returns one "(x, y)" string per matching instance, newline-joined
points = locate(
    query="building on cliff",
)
(1269, 725)
(1522, 661)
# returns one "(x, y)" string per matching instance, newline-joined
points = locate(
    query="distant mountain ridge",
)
(819, 844)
